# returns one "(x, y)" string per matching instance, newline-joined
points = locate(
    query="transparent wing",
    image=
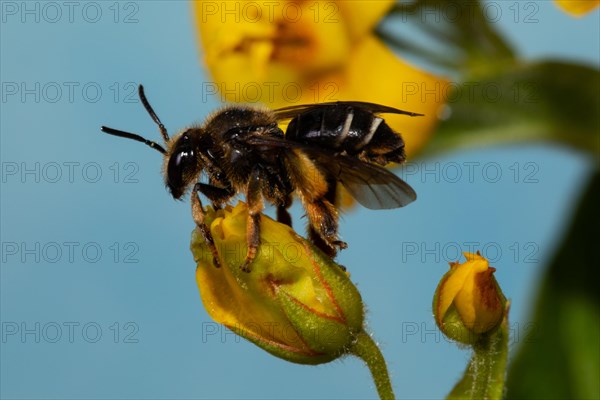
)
(372, 186)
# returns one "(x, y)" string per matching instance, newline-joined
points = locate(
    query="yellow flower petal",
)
(374, 74)
(377, 75)
(279, 42)
(361, 16)
(577, 8)
(306, 44)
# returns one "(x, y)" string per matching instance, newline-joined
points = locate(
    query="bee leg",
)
(255, 206)
(321, 244)
(283, 215)
(323, 219)
(198, 215)
(217, 195)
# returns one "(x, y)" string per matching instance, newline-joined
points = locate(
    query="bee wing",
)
(372, 186)
(292, 111)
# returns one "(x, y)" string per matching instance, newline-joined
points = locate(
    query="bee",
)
(242, 149)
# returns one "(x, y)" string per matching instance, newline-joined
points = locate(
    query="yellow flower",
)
(302, 52)
(577, 8)
(468, 301)
(296, 303)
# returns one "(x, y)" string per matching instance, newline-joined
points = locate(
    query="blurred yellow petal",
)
(248, 42)
(577, 8)
(361, 16)
(306, 44)
(377, 75)
(374, 74)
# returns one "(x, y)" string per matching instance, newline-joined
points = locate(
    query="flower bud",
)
(468, 301)
(295, 303)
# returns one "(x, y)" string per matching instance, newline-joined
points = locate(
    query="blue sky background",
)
(102, 327)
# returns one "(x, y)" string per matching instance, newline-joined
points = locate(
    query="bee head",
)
(181, 166)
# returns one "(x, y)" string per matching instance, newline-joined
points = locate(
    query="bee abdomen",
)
(350, 130)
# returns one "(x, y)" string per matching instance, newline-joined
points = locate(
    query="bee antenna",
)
(148, 107)
(133, 136)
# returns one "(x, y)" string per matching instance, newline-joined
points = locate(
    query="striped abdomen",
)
(348, 130)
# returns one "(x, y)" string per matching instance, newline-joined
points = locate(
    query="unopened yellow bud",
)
(295, 303)
(468, 301)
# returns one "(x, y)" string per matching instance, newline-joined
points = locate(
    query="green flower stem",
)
(485, 375)
(365, 348)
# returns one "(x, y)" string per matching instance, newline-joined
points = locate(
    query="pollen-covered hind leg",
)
(198, 215)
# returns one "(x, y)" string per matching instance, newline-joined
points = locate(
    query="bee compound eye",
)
(183, 158)
(180, 166)
(178, 159)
